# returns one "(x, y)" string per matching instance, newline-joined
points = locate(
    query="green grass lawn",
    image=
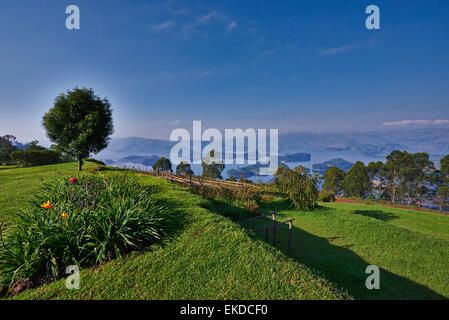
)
(206, 256)
(341, 239)
(209, 256)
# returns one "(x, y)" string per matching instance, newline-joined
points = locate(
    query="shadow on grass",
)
(339, 264)
(376, 214)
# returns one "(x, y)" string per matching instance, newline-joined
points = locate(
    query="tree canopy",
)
(163, 164)
(333, 179)
(184, 168)
(357, 182)
(80, 123)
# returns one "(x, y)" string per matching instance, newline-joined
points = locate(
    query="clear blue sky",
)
(292, 65)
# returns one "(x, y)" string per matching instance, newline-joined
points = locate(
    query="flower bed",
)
(80, 221)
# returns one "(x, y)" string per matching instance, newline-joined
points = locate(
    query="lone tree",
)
(184, 168)
(6, 148)
(80, 123)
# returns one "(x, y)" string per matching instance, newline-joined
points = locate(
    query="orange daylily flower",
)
(64, 215)
(46, 205)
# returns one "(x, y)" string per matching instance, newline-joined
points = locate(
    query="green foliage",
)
(376, 173)
(357, 182)
(212, 170)
(391, 170)
(6, 148)
(333, 179)
(163, 164)
(444, 168)
(34, 157)
(326, 196)
(79, 123)
(90, 221)
(184, 168)
(242, 197)
(443, 195)
(231, 178)
(34, 146)
(299, 186)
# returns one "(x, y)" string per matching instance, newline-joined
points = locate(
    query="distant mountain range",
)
(147, 161)
(374, 143)
(296, 147)
(321, 168)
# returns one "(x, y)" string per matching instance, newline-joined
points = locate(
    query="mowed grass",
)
(206, 256)
(340, 240)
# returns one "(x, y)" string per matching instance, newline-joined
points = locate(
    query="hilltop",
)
(210, 257)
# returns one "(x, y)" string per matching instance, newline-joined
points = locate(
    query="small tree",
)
(34, 146)
(80, 123)
(356, 182)
(212, 170)
(333, 179)
(213, 167)
(163, 164)
(298, 185)
(184, 168)
(6, 148)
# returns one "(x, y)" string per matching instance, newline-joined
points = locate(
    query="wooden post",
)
(289, 235)
(274, 229)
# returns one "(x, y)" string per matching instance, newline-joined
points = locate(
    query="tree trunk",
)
(393, 198)
(80, 164)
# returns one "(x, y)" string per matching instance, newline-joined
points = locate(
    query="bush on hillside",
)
(326, 197)
(29, 158)
(299, 186)
(80, 222)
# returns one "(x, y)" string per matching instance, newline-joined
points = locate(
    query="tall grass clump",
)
(80, 222)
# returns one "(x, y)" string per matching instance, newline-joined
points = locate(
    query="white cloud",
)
(164, 25)
(332, 51)
(348, 47)
(175, 123)
(231, 26)
(404, 123)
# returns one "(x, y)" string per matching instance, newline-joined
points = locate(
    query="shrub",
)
(326, 197)
(28, 158)
(240, 197)
(299, 186)
(83, 223)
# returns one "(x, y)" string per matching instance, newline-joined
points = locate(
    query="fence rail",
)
(272, 226)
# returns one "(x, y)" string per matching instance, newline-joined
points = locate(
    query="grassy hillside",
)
(206, 257)
(210, 257)
(342, 239)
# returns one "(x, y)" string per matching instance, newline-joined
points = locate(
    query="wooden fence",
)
(272, 226)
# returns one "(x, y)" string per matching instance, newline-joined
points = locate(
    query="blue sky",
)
(292, 65)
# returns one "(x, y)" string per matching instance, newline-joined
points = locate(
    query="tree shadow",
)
(343, 267)
(376, 214)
